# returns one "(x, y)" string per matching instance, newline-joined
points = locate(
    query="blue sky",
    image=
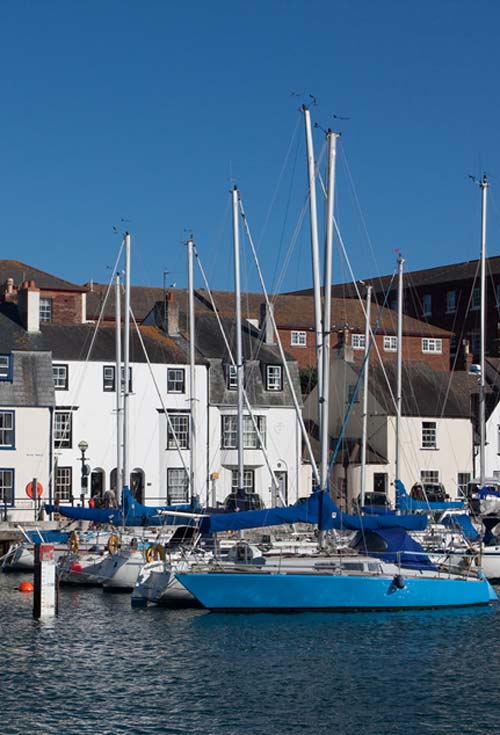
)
(150, 111)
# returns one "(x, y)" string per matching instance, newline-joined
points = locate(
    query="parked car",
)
(375, 500)
(247, 501)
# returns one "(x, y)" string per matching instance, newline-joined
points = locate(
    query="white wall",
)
(30, 459)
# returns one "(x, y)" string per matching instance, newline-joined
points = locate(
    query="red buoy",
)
(26, 587)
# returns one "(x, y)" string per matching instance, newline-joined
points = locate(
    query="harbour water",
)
(102, 668)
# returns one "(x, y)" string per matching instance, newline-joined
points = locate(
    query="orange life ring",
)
(29, 489)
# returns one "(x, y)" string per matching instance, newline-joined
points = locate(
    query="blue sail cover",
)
(393, 545)
(318, 509)
(133, 513)
(407, 504)
(485, 492)
(47, 537)
(461, 522)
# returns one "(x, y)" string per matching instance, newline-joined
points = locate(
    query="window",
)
(274, 377)
(463, 479)
(63, 429)
(177, 485)
(178, 425)
(429, 476)
(298, 339)
(108, 378)
(6, 487)
(248, 481)
(451, 301)
(390, 343)
(453, 344)
(64, 483)
(429, 435)
(175, 380)
(426, 304)
(431, 344)
(45, 310)
(7, 433)
(358, 341)
(250, 438)
(232, 377)
(476, 298)
(60, 377)
(5, 367)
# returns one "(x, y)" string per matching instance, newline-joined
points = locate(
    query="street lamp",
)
(83, 446)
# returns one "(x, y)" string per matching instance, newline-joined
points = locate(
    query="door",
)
(137, 485)
(282, 478)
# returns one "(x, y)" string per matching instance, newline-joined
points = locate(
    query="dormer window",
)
(45, 310)
(274, 377)
(5, 367)
(232, 377)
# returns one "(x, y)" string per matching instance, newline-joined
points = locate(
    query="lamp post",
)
(83, 446)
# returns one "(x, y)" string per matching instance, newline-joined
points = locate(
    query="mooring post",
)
(45, 593)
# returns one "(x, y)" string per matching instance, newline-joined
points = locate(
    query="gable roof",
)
(22, 272)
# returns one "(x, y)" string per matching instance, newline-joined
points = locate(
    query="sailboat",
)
(380, 577)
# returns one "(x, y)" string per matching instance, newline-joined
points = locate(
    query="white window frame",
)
(432, 345)
(7, 430)
(108, 379)
(429, 435)
(176, 380)
(5, 367)
(64, 483)
(250, 438)
(63, 429)
(451, 302)
(429, 476)
(180, 425)
(390, 343)
(475, 301)
(61, 378)
(427, 304)
(177, 485)
(463, 479)
(7, 486)
(232, 377)
(45, 310)
(298, 339)
(248, 481)
(358, 341)
(274, 377)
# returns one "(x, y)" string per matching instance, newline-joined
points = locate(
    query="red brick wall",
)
(412, 350)
(66, 307)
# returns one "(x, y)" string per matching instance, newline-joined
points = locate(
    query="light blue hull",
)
(254, 592)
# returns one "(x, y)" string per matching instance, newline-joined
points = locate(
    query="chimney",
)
(10, 291)
(266, 324)
(344, 349)
(28, 304)
(464, 357)
(172, 314)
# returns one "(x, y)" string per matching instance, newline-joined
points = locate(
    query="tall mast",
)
(192, 394)
(327, 302)
(365, 394)
(399, 365)
(311, 167)
(126, 361)
(239, 350)
(118, 370)
(482, 412)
